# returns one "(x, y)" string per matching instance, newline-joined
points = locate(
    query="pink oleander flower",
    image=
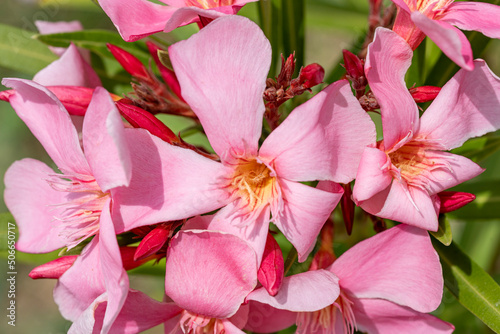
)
(320, 140)
(400, 177)
(136, 19)
(437, 18)
(387, 285)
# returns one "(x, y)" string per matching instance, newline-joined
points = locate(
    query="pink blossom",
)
(320, 140)
(436, 19)
(387, 285)
(136, 19)
(209, 274)
(400, 177)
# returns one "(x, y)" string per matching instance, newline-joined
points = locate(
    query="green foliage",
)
(19, 52)
(470, 284)
(443, 234)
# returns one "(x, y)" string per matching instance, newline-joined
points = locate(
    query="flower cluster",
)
(129, 190)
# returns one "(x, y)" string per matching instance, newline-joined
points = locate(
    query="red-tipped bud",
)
(128, 260)
(454, 200)
(355, 70)
(424, 93)
(347, 206)
(287, 69)
(140, 118)
(53, 269)
(130, 63)
(6, 94)
(153, 241)
(272, 270)
(325, 255)
(311, 75)
(167, 74)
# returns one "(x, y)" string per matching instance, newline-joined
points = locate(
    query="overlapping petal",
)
(373, 174)
(222, 72)
(321, 139)
(478, 16)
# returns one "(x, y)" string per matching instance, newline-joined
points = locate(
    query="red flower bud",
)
(153, 241)
(128, 260)
(167, 74)
(130, 63)
(354, 68)
(140, 118)
(347, 206)
(311, 75)
(454, 200)
(287, 69)
(325, 255)
(272, 270)
(424, 93)
(54, 268)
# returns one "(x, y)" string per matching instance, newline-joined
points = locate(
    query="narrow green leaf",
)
(19, 52)
(293, 30)
(443, 234)
(95, 40)
(470, 284)
(270, 23)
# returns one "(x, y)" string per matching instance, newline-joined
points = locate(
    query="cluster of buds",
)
(284, 87)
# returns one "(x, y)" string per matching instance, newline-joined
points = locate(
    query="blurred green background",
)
(330, 26)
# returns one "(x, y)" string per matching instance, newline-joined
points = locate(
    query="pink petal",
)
(69, 70)
(49, 121)
(382, 316)
(254, 233)
(138, 314)
(373, 174)
(222, 72)
(305, 292)
(449, 39)
(388, 59)
(459, 169)
(104, 142)
(263, 318)
(113, 274)
(213, 282)
(399, 265)
(479, 16)
(404, 204)
(136, 19)
(304, 213)
(187, 15)
(81, 284)
(322, 139)
(168, 183)
(466, 107)
(30, 199)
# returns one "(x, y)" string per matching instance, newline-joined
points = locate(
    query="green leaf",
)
(19, 52)
(470, 284)
(270, 18)
(95, 40)
(443, 234)
(293, 30)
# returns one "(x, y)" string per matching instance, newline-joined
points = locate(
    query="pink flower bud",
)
(355, 69)
(167, 74)
(53, 269)
(140, 118)
(424, 93)
(130, 63)
(271, 271)
(311, 75)
(454, 200)
(153, 241)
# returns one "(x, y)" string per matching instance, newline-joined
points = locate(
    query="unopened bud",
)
(454, 200)
(272, 270)
(325, 255)
(287, 69)
(424, 93)
(311, 75)
(347, 206)
(54, 268)
(140, 118)
(166, 72)
(355, 70)
(153, 241)
(130, 63)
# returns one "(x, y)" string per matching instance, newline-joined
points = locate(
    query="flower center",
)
(198, 324)
(324, 321)
(432, 8)
(78, 217)
(252, 182)
(415, 160)
(207, 4)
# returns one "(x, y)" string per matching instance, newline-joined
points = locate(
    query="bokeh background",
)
(330, 26)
